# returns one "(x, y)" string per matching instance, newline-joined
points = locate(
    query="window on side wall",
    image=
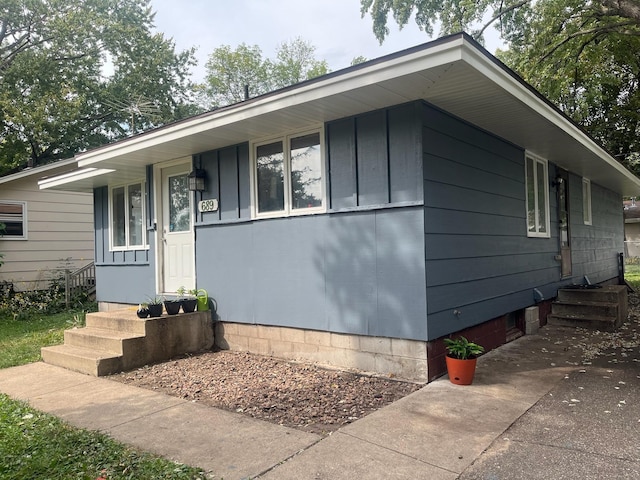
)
(537, 196)
(13, 220)
(127, 217)
(586, 201)
(287, 175)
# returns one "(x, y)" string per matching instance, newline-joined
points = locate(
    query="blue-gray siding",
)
(358, 272)
(121, 276)
(426, 216)
(480, 263)
(375, 159)
(358, 269)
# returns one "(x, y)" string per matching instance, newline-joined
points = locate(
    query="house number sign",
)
(208, 205)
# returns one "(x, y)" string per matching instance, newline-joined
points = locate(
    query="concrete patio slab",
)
(452, 422)
(27, 381)
(226, 444)
(343, 457)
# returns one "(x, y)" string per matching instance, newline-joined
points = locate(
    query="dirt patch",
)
(296, 395)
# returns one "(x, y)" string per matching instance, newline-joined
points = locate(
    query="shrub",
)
(27, 303)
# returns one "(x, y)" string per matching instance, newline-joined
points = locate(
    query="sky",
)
(334, 27)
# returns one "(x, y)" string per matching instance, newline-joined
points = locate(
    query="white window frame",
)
(127, 247)
(288, 211)
(24, 235)
(587, 214)
(537, 161)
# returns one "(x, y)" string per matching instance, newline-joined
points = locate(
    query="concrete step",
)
(586, 308)
(119, 340)
(101, 339)
(84, 360)
(592, 322)
(120, 321)
(608, 294)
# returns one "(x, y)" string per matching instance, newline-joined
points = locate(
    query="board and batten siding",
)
(357, 269)
(122, 276)
(59, 234)
(480, 263)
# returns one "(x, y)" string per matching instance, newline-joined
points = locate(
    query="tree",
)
(230, 71)
(67, 68)
(584, 56)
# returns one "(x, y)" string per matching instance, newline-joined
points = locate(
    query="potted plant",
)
(461, 359)
(143, 310)
(189, 300)
(172, 306)
(155, 307)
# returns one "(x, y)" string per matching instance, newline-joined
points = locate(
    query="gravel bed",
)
(297, 395)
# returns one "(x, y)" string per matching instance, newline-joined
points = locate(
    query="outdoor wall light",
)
(557, 182)
(197, 179)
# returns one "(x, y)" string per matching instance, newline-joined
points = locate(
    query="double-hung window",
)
(586, 201)
(287, 175)
(537, 198)
(127, 217)
(13, 220)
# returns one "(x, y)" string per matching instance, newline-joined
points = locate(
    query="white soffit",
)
(454, 74)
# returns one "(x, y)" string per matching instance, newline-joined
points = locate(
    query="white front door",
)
(177, 230)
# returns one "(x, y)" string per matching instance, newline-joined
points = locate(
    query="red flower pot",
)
(461, 372)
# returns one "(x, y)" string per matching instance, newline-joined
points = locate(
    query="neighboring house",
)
(631, 228)
(46, 231)
(359, 217)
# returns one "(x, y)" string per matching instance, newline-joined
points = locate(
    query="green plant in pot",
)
(172, 306)
(143, 310)
(461, 359)
(188, 299)
(155, 307)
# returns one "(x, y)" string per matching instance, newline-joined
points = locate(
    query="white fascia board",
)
(74, 176)
(422, 59)
(515, 87)
(27, 172)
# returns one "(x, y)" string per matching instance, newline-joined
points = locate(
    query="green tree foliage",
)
(229, 71)
(75, 74)
(584, 56)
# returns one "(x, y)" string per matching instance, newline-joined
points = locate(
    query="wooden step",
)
(84, 360)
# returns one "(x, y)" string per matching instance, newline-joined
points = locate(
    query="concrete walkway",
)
(443, 431)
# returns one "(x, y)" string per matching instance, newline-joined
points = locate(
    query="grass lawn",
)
(20, 340)
(632, 275)
(37, 445)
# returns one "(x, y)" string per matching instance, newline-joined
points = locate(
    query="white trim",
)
(25, 230)
(76, 175)
(127, 247)
(28, 172)
(587, 214)
(517, 89)
(158, 220)
(287, 211)
(537, 160)
(396, 66)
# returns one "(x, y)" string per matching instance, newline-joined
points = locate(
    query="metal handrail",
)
(81, 280)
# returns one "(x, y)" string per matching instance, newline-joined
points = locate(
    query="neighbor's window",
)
(288, 175)
(127, 216)
(537, 197)
(13, 220)
(586, 201)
